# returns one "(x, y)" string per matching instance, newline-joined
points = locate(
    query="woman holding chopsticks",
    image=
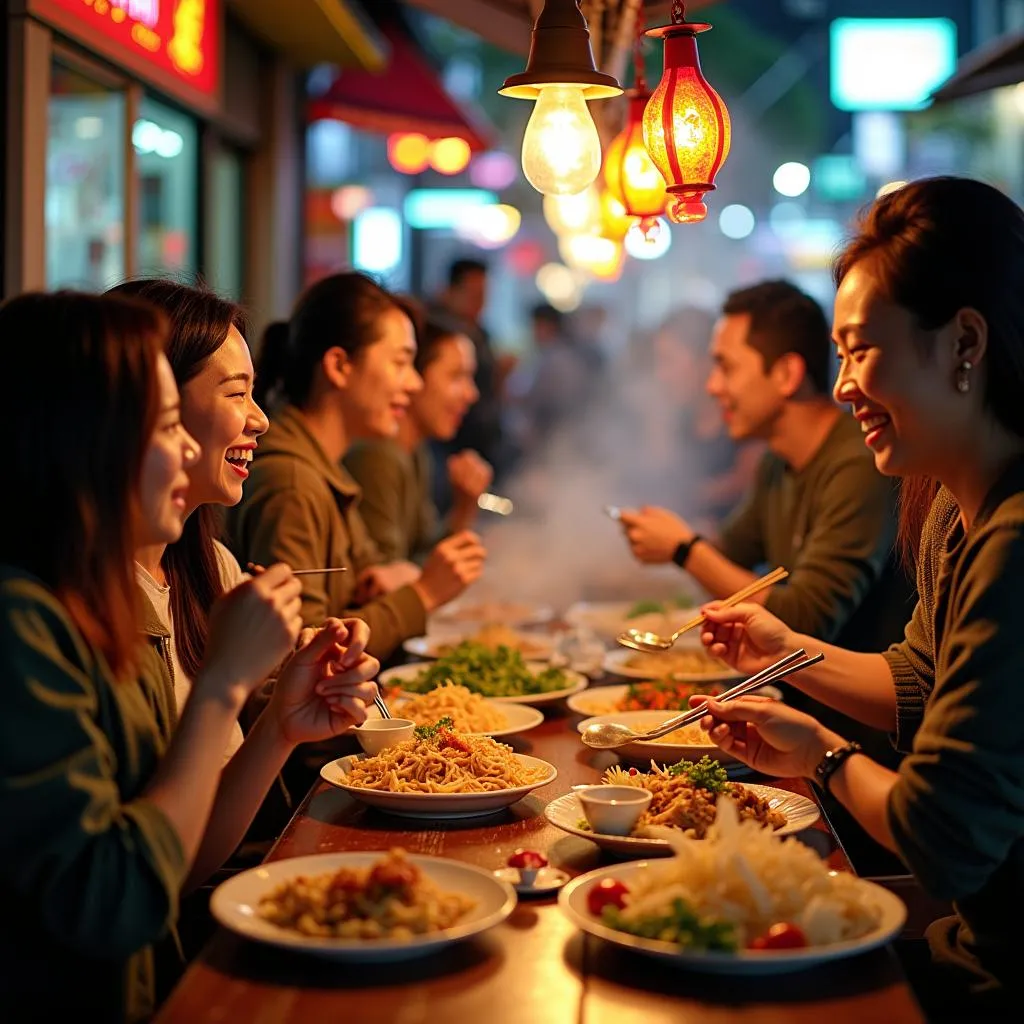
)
(107, 806)
(929, 324)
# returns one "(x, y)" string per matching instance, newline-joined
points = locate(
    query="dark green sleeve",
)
(287, 525)
(741, 539)
(377, 470)
(958, 803)
(843, 554)
(102, 872)
(912, 664)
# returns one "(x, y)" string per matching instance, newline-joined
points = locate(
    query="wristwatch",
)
(682, 553)
(830, 763)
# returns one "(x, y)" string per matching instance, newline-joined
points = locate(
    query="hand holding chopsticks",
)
(648, 641)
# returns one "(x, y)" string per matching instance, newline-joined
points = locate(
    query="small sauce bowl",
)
(613, 810)
(377, 734)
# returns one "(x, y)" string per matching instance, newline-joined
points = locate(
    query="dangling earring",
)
(963, 376)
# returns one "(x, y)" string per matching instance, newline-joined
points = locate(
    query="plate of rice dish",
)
(686, 798)
(362, 907)
(690, 742)
(440, 773)
(740, 901)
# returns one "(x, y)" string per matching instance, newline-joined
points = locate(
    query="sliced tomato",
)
(784, 935)
(609, 892)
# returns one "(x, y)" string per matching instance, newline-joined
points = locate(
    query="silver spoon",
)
(608, 735)
(644, 640)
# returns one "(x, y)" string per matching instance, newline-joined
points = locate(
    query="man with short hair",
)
(463, 301)
(818, 507)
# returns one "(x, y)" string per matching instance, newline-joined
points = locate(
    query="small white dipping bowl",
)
(377, 734)
(613, 810)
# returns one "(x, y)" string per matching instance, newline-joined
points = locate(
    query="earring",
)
(963, 376)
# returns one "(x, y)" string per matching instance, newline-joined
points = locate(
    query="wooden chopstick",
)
(766, 581)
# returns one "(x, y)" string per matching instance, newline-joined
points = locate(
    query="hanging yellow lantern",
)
(615, 221)
(629, 171)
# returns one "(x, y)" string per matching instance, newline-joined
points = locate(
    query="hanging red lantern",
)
(686, 124)
(629, 171)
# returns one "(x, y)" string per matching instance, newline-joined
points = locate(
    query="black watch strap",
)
(830, 763)
(682, 553)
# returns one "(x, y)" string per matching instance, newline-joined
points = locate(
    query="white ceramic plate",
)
(397, 675)
(518, 717)
(601, 700)
(234, 904)
(508, 613)
(608, 619)
(535, 647)
(652, 750)
(616, 664)
(436, 805)
(573, 902)
(566, 813)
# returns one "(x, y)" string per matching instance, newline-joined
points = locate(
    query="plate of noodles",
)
(686, 801)
(440, 773)
(671, 695)
(691, 741)
(470, 713)
(481, 613)
(501, 675)
(532, 646)
(740, 901)
(687, 664)
(362, 907)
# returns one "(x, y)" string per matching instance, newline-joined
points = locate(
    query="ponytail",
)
(272, 364)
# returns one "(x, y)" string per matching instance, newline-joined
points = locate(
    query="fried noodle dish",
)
(686, 796)
(439, 760)
(393, 899)
(468, 711)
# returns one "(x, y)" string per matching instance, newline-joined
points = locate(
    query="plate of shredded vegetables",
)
(742, 900)
(501, 675)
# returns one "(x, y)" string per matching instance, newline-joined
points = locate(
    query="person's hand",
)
(452, 566)
(654, 533)
(470, 476)
(252, 628)
(326, 684)
(747, 637)
(378, 580)
(767, 735)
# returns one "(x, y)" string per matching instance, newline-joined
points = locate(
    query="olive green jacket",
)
(957, 809)
(90, 871)
(301, 508)
(396, 505)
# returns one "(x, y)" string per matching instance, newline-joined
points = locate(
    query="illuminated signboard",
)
(889, 63)
(176, 42)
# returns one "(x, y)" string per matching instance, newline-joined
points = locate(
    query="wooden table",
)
(534, 968)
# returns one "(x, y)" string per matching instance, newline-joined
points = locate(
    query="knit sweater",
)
(957, 809)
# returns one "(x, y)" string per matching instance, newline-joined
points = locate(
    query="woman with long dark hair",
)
(106, 804)
(395, 474)
(344, 366)
(929, 324)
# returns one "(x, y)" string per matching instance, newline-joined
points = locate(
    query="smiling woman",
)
(213, 369)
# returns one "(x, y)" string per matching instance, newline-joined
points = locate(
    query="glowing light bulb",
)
(561, 147)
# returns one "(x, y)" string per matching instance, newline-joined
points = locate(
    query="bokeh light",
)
(450, 156)
(736, 221)
(791, 179)
(409, 152)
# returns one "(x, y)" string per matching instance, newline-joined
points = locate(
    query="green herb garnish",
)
(704, 774)
(645, 608)
(679, 925)
(427, 732)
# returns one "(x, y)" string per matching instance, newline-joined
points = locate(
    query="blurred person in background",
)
(395, 473)
(462, 303)
(551, 389)
(929, 324)
(345, 363)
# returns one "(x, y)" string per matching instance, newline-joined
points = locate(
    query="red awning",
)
(407, 96)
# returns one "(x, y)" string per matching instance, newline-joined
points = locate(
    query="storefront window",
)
(85, 165)
(225, 224)
(166, 145)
